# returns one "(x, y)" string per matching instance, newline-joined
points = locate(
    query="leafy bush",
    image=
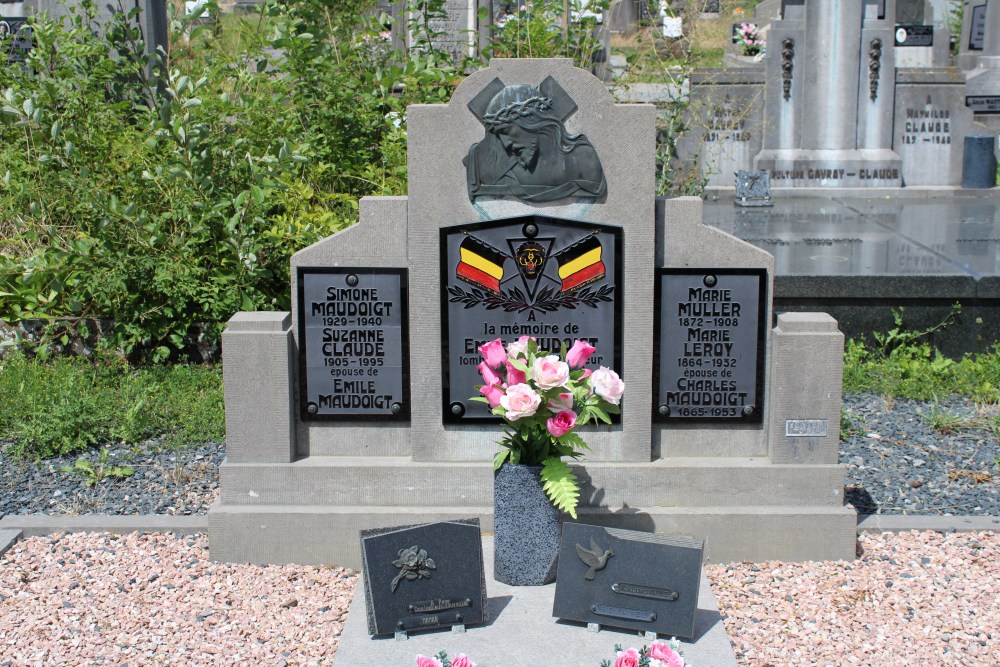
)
(67, 405)
(168, 202)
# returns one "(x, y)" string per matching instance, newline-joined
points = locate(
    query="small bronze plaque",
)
(650, 592)
(643, 615)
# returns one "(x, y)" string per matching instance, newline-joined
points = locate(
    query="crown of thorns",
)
(516, 110)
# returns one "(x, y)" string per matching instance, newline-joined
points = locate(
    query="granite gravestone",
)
(628, 579)
(423, 577)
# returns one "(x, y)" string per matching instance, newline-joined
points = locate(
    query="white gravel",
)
(154, 599)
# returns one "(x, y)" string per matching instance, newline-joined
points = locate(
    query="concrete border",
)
(7, 539)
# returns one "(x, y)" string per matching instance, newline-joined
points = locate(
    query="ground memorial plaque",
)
(977, 28)
(710, 345)
(15, 38)
(354, 344)
(423, 576)
(628, 579)
(554, 280)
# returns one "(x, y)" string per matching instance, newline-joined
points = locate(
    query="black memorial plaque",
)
(628, 579)
(354, 347)
(983, 103)
(423, 576)
(977, 28)
(15, 38)
(710, 336)
(555, 280)
(914, 35)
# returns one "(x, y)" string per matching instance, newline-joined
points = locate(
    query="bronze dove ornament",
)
(595, 557)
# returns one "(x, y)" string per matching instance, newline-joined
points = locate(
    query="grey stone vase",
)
(525, 526)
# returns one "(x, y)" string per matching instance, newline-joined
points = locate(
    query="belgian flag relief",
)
(481, 264)
(580, 264)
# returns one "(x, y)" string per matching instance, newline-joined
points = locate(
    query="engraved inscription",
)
(649, 592)
(644, 615)
(798, 428)
(429, 606)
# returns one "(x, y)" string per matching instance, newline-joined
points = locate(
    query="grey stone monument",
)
(728, 464)
(983, 83)
(830, 96)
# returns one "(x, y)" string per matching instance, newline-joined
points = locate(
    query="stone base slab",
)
(525, 613)
(327, 535)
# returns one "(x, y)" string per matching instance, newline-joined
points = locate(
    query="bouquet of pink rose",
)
(659, 654)
(542, 397)
(748, 36)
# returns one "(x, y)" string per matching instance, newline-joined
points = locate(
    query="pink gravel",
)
(918, 598)
(154, 599)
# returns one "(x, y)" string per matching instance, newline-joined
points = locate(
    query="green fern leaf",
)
(559, 484)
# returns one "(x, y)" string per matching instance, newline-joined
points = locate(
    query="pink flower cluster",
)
(510, 384)
(460, 660)
(660, 654)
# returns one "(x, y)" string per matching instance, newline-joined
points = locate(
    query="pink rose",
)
(562, 401)
(606, 384)
(561, 424)
(515, 376)
(519, 348)
(424, 661)
(489, 375)
(493, 394)
(520, 401)
(669, 657)
(550, 372)
(629, 658)
(462, 660)
(493, 353)
(579, 353)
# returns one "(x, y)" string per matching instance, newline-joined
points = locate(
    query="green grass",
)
(68, 405)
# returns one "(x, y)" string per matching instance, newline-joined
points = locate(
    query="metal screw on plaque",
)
(312, 408)
(352, 280)
(664, 410)
(458, 617)
(457, 409)
(396, 408)
(747, 411)
(530, 230)
(710, 281)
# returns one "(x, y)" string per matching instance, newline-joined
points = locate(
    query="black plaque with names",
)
(353, 343)
(914, 35)
(983, 103)
(710, 335)
(555, 280)
(628, 579)
(977, 28)
(424, 576)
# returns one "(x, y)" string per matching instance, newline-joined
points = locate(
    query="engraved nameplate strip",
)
(643, 615)
(430, 606)
(648, 592)
(429, 621)
(805, 428)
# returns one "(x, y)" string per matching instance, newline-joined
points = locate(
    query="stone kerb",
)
(439, 138)
(684, 241)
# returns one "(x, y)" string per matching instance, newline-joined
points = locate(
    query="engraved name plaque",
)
(710, 345)
(977, 28)
(354, 344)
(643, 615)
(805, 428)
(554, 280)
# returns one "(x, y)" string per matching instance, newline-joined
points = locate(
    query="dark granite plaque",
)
(710, 335)
(914, 35)
(423, 576)
(977, 28)
(628, 579)
(983, 103)
(556, 280)
(354, 348)
(18, 32)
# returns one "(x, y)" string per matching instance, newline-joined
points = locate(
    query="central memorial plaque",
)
(555, 280)
(354, 344)
(710, 345)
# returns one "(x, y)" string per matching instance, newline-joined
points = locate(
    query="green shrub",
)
(68, 404)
